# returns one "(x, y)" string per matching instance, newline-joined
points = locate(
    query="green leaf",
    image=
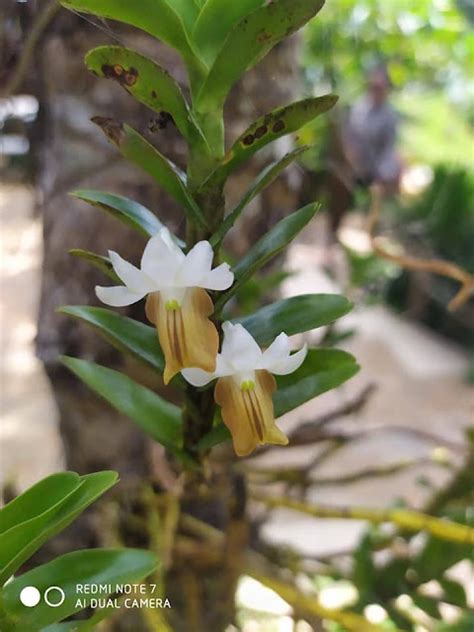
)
(44, 520)
(267, 247)
(322, 370)
(127, 211)
(270, 127)
(264, 178)
(294, 315)
(124, 333)
(80, 568)
(454, 592)
(135, 148)
(156, 416)
(148, 82)
(426, 603)
(156, 17)
(188, 11)
(99, 261)
(215, 21)
(250, 40)
(38, 498)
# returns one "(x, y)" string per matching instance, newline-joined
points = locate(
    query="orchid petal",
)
(196, 265)
(161, 258)
(118, 295)
(277, 351)
(197, 377)
(220, 278)
(239, 349)
(290, 363)
(132, 277)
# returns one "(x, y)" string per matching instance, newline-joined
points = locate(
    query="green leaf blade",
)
(86, 567)
(214, 22)
(156, 416)
(250, 40)
(322, 370)
(19, 542)
(124, 333)
(98, 261)
(128, 211)
(135, 148)
(264, 179)
(267, 247)
(295, 315)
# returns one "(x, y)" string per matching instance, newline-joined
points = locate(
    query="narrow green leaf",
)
(127, 211)
(124, 333)
(322, 370)
(250, 40)
(156, 416)
(99, 261)
(19, 542)
(454, 592)
(270, 127)
(264, 178)
(148, 82)
(38, 498)
(215, 21)
(267, 247)
(295, 315)
(68, 572)
(135, 148)
(188, 11)
(157, 17)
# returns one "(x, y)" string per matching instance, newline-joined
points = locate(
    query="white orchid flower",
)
(245, 385)
(177, 302)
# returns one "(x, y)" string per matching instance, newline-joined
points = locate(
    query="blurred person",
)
(364, 148)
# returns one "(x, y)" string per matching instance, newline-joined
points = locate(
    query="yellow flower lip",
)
(245, 385)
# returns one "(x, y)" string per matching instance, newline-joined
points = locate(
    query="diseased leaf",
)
(156, 416)
(157, 17)
(270, 127)
(267, 247)
(99, 261)
(250, 40)
(48, 516)
(124, 333)
(148, 82)
(294, 315)
(105, 567)
(265, 177)
(135, 148)
(214, 22)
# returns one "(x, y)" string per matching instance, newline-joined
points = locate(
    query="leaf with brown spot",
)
(148, 82)
(270, 127)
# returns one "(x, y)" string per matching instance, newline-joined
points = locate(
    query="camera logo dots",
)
(30, 596)
(54, 596)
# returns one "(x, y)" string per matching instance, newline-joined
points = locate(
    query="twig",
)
(435, 266)
(41, 22)
(405, 518)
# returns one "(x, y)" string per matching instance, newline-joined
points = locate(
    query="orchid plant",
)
(229, 375)
(187, 284)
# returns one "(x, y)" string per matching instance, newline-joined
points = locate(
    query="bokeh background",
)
(395, 435)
